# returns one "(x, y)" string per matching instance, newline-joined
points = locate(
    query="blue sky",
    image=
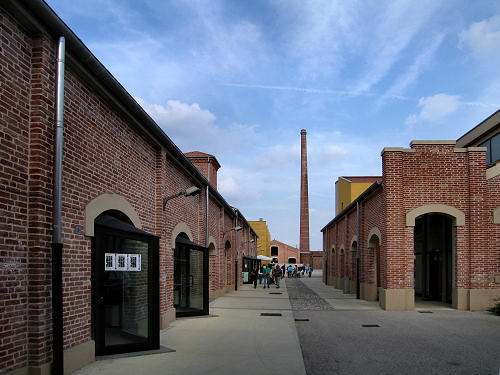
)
(240, 79)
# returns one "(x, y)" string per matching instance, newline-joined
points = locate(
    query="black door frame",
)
(98, 318)
(186, 245)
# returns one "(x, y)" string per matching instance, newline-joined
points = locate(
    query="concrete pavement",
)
(357, 337)
(235, 339)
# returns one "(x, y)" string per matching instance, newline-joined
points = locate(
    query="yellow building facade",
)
(264, 240)
(348, 188)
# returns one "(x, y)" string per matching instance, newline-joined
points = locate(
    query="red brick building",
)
(144, 234)
(284, 253)
(429, 229)
(316, 259)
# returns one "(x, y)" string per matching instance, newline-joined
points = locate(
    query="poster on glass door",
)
(122, 262)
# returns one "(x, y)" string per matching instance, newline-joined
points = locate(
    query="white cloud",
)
(228, 187)
(193, 128)
(279, 156)
(435, 108)
(483, 38)
(239, 185)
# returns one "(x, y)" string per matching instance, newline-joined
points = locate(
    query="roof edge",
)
(375, 186)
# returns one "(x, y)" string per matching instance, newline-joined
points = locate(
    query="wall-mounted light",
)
(193, 190)
(236, 229)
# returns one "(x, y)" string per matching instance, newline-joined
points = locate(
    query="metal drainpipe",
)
(358, 256)
(207, 213)
(57, 246)
(326, 260)
(236, 258)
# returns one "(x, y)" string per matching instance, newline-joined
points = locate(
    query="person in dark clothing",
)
(277, 276)
(253, 276)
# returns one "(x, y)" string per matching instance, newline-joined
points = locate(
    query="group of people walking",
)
(272, 274)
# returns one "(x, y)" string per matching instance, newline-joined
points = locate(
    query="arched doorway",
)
(190, 277)
(227, 263)
(374, 247)
(354, 269)
(433, 246)
(125, 285)
(332, 271)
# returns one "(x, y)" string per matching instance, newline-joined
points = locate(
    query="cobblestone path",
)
(303, 298)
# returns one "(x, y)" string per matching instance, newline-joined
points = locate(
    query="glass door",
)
(190, 279)
(126, 292)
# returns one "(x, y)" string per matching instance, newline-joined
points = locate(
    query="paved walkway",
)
(320, 330)
(357, 337)
(235, 339)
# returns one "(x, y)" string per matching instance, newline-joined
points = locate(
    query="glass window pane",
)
(495, 148)
(126, 295)
(488, 151)
(196, 279)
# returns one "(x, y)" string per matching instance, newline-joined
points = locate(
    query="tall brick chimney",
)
(304, 201)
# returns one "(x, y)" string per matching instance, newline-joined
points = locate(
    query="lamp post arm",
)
(166, 199)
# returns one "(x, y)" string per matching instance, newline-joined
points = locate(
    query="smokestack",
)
(304, 200)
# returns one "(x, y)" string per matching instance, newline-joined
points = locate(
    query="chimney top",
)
(303, 131)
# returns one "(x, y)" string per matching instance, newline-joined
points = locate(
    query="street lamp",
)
(193, 190)
(236, 229)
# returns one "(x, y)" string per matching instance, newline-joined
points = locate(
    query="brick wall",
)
(286, 251)
(428, 173)
(103, 152)
(16, 55)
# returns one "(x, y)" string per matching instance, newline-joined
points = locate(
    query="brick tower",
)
(304, 201)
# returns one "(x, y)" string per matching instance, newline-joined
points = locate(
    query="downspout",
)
(207, 213)
(236, 258)
(326, 257)
(358, 255)
(57, 246)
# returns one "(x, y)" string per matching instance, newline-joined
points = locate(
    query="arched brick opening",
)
(433, 248)
(455, 218)
(109, 202)
(227, 263)
(375, 260)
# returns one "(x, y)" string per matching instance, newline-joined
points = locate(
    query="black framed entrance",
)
(125, 288)
(190, 278)
(433, 241)
(247, 265)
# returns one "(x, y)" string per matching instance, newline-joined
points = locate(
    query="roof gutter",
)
(375, 186)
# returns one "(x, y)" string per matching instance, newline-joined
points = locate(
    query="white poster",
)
(109, 261)
(122, 262)
(134, 262)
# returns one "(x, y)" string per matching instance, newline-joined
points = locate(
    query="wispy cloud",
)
(194, 128)
(435, 108)
(317, 33)
(394, 29)
(338, 93)
(278, 156)
(414, 70)
(483, 38)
